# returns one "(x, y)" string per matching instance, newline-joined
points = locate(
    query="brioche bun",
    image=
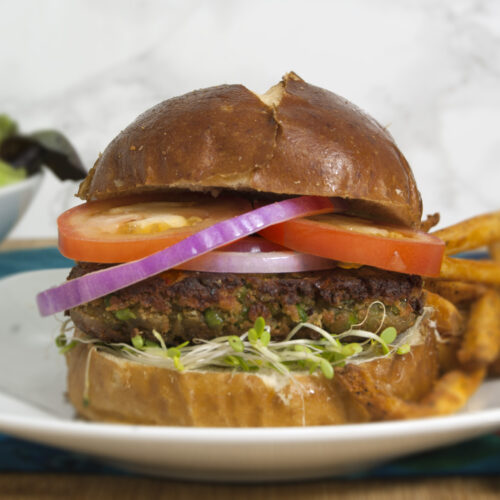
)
(105, 387)
(297, 139)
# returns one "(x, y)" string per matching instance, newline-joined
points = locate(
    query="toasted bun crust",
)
(297, 139)
(125, 391)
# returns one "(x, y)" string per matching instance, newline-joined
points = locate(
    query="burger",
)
(250, 260)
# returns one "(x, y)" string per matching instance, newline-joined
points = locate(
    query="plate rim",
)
(489, 418)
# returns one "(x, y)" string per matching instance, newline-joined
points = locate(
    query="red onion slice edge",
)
(100, 283)
(257, 262)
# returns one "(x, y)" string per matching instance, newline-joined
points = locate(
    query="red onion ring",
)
(253, 262)
(253, 244)
(256, 255)
(100, 283)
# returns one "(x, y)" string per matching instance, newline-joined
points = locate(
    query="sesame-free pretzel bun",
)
(105, 387)
(297, 139)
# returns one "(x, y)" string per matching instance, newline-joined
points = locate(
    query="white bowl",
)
(14, 200)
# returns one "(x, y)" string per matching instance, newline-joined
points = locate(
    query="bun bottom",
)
(105, 387)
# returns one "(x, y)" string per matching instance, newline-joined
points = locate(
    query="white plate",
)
(32, 406)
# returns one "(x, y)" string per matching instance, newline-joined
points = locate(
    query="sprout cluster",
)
(255, 350)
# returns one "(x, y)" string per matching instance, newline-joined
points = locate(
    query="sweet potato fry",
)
(481, 344)
(457, 292)
(483, 271)
(471, 233)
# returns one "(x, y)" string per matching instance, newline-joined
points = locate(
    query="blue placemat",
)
(480, 456)
(19, 261)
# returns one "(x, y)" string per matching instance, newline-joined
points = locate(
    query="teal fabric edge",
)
(18, 261)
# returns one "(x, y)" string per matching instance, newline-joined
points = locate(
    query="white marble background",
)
(428, 69)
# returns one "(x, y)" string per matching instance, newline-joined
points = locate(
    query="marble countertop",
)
(429, 71)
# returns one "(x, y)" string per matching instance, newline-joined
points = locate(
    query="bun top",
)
(297, 139)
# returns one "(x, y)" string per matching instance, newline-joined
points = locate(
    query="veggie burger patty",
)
(183, 305)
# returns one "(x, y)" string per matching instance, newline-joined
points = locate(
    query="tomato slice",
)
(359, 241)
(126, 229)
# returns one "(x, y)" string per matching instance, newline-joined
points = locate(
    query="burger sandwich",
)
(252, 260)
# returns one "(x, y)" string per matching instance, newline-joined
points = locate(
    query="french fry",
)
(449, 324)
(457, 292)
(494, 368)
(471, 233)
(449, 394)
(447, 354)
(482, 271)
(431, 221)
(481, 344)
(448, 319)
(495, 250)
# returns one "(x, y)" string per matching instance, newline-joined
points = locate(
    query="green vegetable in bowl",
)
(29, 152)
(8, 127)
(10, 175)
